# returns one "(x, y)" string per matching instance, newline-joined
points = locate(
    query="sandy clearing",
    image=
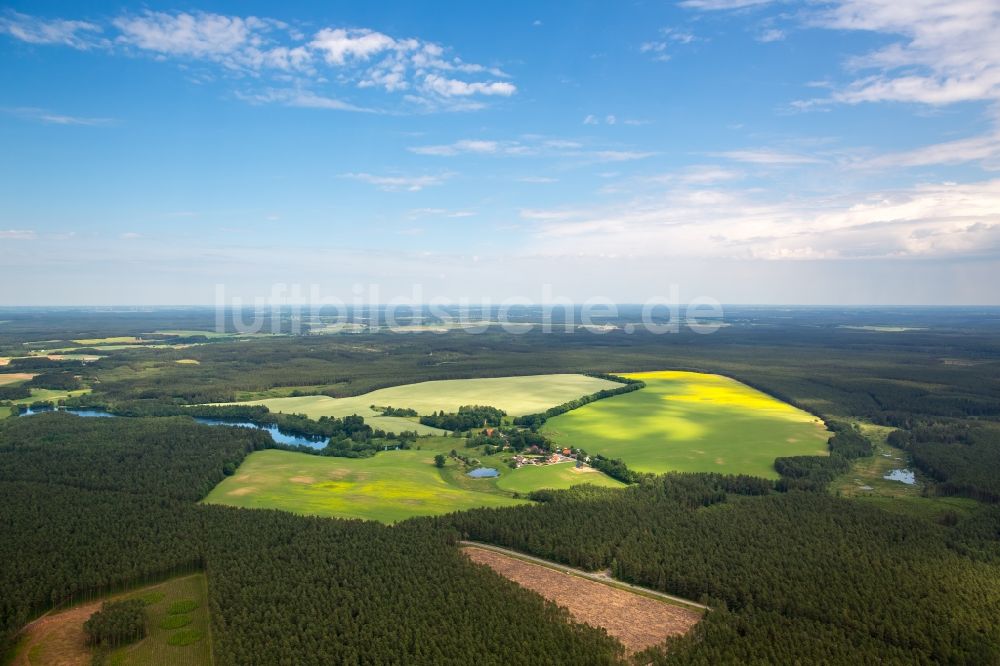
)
(62, 636)
(636, 621)
(11, 377)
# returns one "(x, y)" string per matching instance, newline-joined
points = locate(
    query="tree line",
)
(799, 577)
(535, 421)
(93, 505)
(467, 418)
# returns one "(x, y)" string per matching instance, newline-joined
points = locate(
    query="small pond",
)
(277, 435)
(902, 475)
(484, 473)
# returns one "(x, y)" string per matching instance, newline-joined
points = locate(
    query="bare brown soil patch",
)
(637, 622)
(583, 470)
(337, 474)
(238, 492)
(302, 479)
(57, 639)
(11, 377)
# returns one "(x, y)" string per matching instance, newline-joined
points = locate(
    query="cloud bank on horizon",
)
(854, 137)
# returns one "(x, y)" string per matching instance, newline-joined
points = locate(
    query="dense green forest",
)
(283, 589)
(793, 573)
(466, 418)
(813, 560)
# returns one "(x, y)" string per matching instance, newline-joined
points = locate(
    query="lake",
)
(484, 473)
(277, 435)
(902, 475)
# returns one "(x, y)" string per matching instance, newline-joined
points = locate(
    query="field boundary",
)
(596, 577)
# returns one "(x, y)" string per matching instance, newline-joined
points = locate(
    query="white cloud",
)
(17, 234)
(399, 183)
(705, 174)
(611, 119)
(439, 212)
(771, 35)
(719, 5)
(658, 48)
(196, 35)
(539, 180)
(266, 54)
(931, 220)
(339, 44)
(300, 98)
(548, 215)
(532, 145)
(35, 30)
(983, 149)
(447, 87)
(464, 146)
(767, 156)
(653, 47)
(50, 118)
(620, 155)
(949, 52)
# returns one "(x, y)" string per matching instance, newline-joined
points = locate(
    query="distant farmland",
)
(515, 395)
(389, 487)
(692, 422)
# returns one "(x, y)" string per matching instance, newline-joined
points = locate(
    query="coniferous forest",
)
(793, 573)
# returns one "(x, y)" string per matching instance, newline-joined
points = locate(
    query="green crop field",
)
(114, 340)
(556, 477)
(49, 395)
(389, 487)
(514, 395)
(692, 422)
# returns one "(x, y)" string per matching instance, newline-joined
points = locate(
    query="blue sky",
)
(747, 150)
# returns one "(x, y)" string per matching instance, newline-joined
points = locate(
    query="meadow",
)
(389, 487)
(49, 395)
(555, 477)
(515, 395)
(692, 422)
(177, 625)
(315, 406)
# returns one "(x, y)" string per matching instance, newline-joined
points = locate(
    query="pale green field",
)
(155, 648)
(515, 395)
(315, 406)
(389, 487)
(185, 333)
(48, 395)
(39, 648)
(692, 422)
(556, 477)
(117, 340)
